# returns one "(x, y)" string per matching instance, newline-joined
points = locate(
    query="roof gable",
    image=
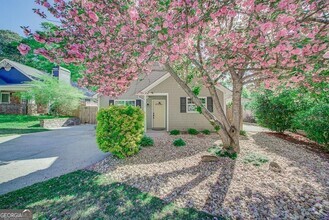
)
(12, 76)
(29, 72)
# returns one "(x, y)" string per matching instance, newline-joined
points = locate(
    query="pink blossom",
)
(93, 16)
(133, 14)
(103, 30)
(38, 38)
(162, 37)
(296, 51)
(23, 49)
(46, 4)
(326, 55)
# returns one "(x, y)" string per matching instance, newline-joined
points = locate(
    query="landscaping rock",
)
(275, 167)
(229, 188)
(209, 158)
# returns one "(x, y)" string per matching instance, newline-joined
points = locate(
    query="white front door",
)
(159, 113)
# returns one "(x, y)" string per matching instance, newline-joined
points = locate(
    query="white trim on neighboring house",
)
(154, 84)
(15, 87)
(2, 93)
(5, 62)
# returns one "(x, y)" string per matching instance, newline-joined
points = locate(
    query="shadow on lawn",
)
(90, 195)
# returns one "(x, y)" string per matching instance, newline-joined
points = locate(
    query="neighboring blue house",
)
(14, 77)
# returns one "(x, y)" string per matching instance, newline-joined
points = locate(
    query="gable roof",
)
(147, 82)
(142, 82)
(28, 71)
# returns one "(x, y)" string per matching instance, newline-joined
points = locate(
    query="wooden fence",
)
(87, 114)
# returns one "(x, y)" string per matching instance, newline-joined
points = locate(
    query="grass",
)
(89, 195)
(21, 124)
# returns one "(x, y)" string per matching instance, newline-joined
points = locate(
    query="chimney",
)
(62, 74)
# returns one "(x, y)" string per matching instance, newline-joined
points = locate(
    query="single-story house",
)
(166, 105)
(13, 79)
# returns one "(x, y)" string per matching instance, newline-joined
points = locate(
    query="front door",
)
(159, 113)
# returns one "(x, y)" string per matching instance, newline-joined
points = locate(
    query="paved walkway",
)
(31, 158)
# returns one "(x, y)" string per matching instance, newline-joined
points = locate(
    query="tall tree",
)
(276, 41)
(8, 45)
(8, 49)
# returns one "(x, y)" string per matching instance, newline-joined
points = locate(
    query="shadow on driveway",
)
(32, 158)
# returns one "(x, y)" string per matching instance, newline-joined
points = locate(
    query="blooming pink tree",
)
(272, 41)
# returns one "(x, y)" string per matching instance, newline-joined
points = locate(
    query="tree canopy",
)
(272, 41)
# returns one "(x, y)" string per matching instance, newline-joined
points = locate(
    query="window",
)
(5, 97)
(125, 102)
(191, 107)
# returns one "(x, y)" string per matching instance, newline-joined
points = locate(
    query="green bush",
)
(243, 133)
(174, 132)
(147, 141)
(179, 142)
(120, 130)
(275, 111)
(255, 159)
(315, 123)
(206, 132)
(192, 131)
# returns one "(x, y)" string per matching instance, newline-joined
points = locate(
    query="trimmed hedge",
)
(205, 131)
(120, 130)
(179, 142)
(192, 131)
(147, 141)
(174, 132)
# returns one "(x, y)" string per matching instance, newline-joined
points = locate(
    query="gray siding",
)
(183, 121)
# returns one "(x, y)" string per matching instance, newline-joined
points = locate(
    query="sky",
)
(16, 13)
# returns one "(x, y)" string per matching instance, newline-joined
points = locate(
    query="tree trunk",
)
(229, 133)
(236, 114)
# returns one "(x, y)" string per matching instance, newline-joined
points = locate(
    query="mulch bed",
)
(302, 141)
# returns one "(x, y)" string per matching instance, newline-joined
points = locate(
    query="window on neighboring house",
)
(191, 107)
(125, 102)
(5, 97)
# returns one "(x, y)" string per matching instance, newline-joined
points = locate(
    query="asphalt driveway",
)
(31, 158)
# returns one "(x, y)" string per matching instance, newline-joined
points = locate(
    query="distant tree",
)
(8, 49)
(8, 45)
(62, 98)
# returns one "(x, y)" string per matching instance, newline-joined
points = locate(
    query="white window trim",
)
(201, 97)
(8, 97)
(125, 100)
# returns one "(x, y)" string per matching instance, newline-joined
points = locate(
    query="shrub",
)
(243, 133)
(218, 151)
(192, 131)
(314, 122)
(120, 130)
(147, 141)
(255, 159)
(174, 132)
(275, 112)
(179, 142)
(206, 132)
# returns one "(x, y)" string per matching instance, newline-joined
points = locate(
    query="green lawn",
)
(90, 195)
(20, 124)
